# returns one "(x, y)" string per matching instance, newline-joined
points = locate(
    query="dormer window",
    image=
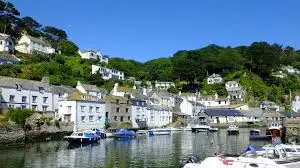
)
(84, 97)
(19, 87)
(41, 89)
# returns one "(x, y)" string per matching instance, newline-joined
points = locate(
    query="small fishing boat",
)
(110, 135)
(159, 131)
(213, 129)
(82, 137)
(275, 129)
(124, 133)
(255, 135)
(201, 127)
(233, 130)
(142, 132)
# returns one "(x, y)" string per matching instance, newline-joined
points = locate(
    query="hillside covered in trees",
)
(252, 65)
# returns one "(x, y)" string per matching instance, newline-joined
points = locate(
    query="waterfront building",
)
(235, 91)
(214, 78)
(252, 115)
(9, 59)
(191, 107)
(6, 43)
(23, 93)
(84, 110)
(222, 116)
(118, 111)
(163, 85)
(60, 93)
(269, 105)
(108, 73)
(158, 116)
(139, 113)
(93, 54)
(92, 90)
(214, 101)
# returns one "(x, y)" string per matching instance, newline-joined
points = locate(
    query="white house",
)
(108, 73)
(214, 101)
(221, 116)
(269, 105)
(235, 91)
(158, 116)
(139, 113)
(93, 54)
(24, 93)
(214, 78)
(164, 85)
(191, 107)
(31, 45)
(163, 99)
(6, 43)
(60, 93)
(291, 69)
(92, 90)
(84, 110)
(296, 104)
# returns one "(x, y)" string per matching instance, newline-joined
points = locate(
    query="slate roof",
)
(4, 36)
(62, 89)
(9, 57)
(290, 114)
(268, 103)
(222, 112)
(197, 103)
(234, 89)
(141, 102)
(94, 88)
(36, 40)
(215, 76)
(231, 82)
(78, 96)
(158, 107)
(9, 82)
(113, 99)
(253, 112)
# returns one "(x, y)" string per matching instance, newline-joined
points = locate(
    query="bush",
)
(56, 122)
(18, 115)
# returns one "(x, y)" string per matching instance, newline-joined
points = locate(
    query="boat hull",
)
(233, 132)
(151, 133)
(81, 140)
(124, 136)
(260, 137)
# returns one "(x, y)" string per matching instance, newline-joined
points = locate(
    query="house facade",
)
(158, 116)
(6, 43)
(108, 73)
(214, 78)
(84, 110)
(92, 90)
(163, 85)
(139, 113)
(235, 91)
(163, 99)
(118, 110)
(93, 54)
(31, 45)
(60, 93)
(22, 93)
(223, 116)
(214, 101)
(191, 108)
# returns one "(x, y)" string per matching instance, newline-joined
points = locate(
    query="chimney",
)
(115, 89)
(144, 91)
(45, 80)
(134, 87)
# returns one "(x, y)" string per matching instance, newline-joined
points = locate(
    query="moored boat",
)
(255, 134)
(233, 130)
(142, 132)
(275, 129)
(82, 137)
(124, 133)
(159, 131)
(201, 127)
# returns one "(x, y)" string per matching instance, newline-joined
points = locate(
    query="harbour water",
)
(144, 151)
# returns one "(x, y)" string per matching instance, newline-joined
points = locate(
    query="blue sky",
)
(144, 30)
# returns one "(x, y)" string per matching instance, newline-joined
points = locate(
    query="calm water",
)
(157, 151)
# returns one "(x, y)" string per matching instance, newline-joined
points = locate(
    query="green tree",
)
(54, 34)
(67, 47)
(18, 115)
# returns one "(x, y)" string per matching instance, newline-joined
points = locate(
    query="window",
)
(121, 119)
(19, 87)
(116, 118)
(11, 98)
(69, 109)
(97, 109)
(126, 110)
(127, 101)
(34, 98)
(1, 42)
(10, 43)
(117, 101)
(45, 99)
(137, 103)
(11, 106)
(82, 119)
(118, 110)
(45, 108)
(60, 95)
(219, 102)
(41, 89)
(91, 109)
(99, 118)
(34, 107)
(24, 99)
(23, 106)
(82, 108)
(91, 118)
(128, 118)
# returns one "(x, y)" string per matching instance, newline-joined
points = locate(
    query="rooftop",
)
(9, 57)
(26, 84)
(222, 112)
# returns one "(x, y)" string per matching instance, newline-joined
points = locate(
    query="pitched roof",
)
(78, 96)
(10, 82)
(158, 107)
(222, 112)
(215, 76)
(197, 103)
(290, 114)
(270, 114)
(36, 40)
(62, 89)
(9, 57)
(94, 88)
(231, 82)
(234, 89)
(113, 99)
(252, 112)
(4, 36)
(268, 102)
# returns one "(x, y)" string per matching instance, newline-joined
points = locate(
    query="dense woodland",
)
(251, 65)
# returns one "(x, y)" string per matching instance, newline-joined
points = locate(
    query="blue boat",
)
(124, 133)
(100, 133)
(82, 137)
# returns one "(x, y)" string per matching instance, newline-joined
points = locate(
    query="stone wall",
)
(292, 130)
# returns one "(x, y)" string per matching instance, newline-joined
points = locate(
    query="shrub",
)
(56, 122)
(18, 115)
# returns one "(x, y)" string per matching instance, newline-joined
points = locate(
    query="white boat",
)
(235, 162)
(160, 131)
(176, 129)
(142, 132)
(233, 130)
(110, 135)
(290, 149)
(275, 129)
(202, 127)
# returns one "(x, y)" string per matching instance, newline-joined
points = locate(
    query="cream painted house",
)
(6, 43)
(93, 54)
(32, 45)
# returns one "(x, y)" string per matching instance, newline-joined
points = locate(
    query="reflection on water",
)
(144, 151)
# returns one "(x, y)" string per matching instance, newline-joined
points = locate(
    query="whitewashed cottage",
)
(6, 43)
(214, 78)
(93, 54)
(108, 73)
